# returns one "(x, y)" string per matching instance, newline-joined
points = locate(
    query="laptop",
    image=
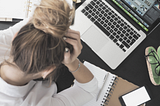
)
(114, 28)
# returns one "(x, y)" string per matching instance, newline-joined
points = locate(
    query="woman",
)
(38, 49)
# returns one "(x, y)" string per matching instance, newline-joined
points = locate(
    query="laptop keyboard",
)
(111, 24)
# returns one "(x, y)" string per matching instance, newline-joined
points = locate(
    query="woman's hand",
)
(73, 38)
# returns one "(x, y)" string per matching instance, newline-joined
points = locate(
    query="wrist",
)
(74, 66)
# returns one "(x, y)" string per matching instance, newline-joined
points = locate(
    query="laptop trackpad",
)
(94, 38)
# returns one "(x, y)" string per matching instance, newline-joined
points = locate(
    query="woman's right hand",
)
(72, 37)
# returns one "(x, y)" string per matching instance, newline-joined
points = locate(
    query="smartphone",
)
(135, 98)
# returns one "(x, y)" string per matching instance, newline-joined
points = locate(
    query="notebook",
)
(114, 28)
(114, 87)
(18, 9)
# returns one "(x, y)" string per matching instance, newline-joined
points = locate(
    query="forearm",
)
(82, 75)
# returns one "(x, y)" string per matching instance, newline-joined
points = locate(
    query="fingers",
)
(75, 43)
(72, 37)
(66, 57)
(73, 34)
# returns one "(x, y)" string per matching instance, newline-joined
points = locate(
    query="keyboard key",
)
(108, 28)
(102, 22)
(114, 33)
(103, 7)
(92, 19)
(118, 32)
(125, 27)
(135, 37)
(97, 12)
(94, 10)
(103, 18)
(98, 2)
(106, 21)
(111, 20)
(120, 39)
(123, 31)
(127, 34)
(99, 19)
(111, 30)
(90, 6)
(93, 3)
(109, 13)
(115, 29)
(86, 8)
(95, 16)
(90, 11)
(130, 37)
(102, 12)
(102, 28)
(86, 13)
(122, 35)
(106, 10)
(131, 33)
(124, 50)
(121, 46)
(89, 16)
(125, 44)
(117, 26)
(83, 11)
(116, 19)
(124, 38)
(100, 15)
(132, 41)
(109, 24)
(99, 9)
(112, 26)
(122, 24)
(115, 40)
(111, 37)
(105, 25)
(96, 6)
(128, 41)
(120, 28)
(108, 17)
(105, 14)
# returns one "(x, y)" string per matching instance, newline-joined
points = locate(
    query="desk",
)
(133, 68)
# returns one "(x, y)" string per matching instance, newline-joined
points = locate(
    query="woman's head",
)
(39, 45)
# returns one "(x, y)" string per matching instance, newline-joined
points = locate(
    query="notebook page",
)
(99, 74)
(12, 8)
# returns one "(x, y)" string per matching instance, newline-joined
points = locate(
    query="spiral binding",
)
(27, 7)
(109, 91)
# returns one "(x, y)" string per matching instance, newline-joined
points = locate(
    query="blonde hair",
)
(53, 16)
(39, 44)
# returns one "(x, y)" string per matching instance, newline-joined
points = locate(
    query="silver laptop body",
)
(101, 43)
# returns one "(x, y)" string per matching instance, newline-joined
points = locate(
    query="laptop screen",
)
(144, 12)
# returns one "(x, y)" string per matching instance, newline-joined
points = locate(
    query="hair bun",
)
(53, 17)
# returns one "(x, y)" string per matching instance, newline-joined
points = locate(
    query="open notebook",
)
(113, 89)
(17, 8)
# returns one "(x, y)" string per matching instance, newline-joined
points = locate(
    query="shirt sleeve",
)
(77, 95)
(7, 34)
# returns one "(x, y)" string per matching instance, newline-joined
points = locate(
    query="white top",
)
(38, 93)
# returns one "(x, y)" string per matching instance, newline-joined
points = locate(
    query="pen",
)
(105, 79)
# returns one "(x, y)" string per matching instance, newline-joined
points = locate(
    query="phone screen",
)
(135, 98)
